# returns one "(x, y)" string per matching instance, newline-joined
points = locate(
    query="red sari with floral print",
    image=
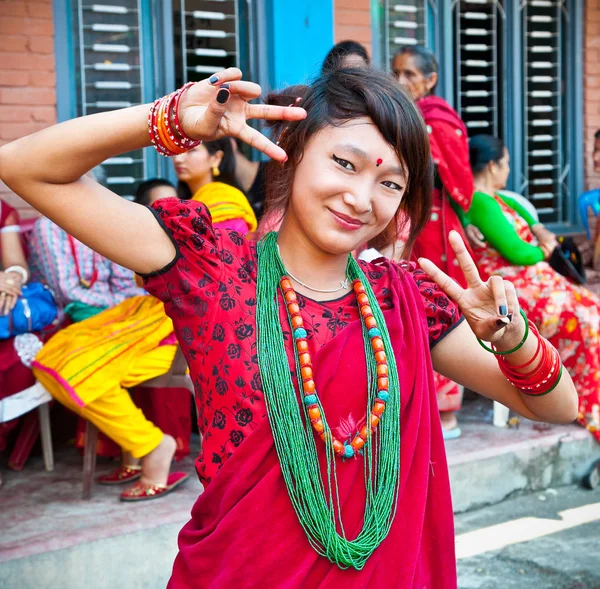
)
(244, 531)
(565, 313)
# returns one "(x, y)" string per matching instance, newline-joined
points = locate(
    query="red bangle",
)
(543, 378)
(163, 125)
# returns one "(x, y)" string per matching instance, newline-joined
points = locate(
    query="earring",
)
(215, 171)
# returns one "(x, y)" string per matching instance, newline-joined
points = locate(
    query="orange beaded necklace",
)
(306, 369)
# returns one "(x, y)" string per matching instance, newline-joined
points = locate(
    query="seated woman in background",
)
(207, 175)
(16, 353)
(89, 366)
(168, 408)
(517, 247)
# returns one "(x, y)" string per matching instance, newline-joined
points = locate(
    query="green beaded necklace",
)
(317, 504)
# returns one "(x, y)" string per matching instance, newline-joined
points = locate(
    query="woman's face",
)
(194, 167)
(500, 171)
(347, 187)
(159, 192)
(405, 70)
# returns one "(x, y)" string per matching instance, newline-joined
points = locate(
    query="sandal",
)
(120, 475)
(146, 491)
(452, 434)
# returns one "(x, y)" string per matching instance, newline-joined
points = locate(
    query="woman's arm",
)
(12, 250)
(460, 358)
(47, 169)
(486, 214)
(492, 313)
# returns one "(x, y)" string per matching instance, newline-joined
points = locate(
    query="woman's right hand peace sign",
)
(491, 308)
(219, 106)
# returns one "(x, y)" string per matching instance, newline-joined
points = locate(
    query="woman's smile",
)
(346, 222)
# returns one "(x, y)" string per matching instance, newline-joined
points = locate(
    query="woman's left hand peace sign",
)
(491, 308)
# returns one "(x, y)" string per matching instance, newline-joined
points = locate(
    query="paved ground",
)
(546, 540)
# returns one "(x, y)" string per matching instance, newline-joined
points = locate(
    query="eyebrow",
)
(364, 155)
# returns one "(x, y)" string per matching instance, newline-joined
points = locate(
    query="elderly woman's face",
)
(405, 70)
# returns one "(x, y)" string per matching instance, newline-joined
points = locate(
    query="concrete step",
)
(489, 464)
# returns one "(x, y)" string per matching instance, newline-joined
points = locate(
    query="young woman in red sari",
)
(323, 460)
(416, 69)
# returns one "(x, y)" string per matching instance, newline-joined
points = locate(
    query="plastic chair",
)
(525, 202)
(34, 397)
(588, 199)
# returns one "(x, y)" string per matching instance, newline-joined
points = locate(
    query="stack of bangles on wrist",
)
(540, 380)
(163, 124)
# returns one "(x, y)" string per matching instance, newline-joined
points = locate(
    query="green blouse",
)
(487, 215)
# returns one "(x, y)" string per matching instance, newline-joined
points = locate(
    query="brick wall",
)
(352, 21)
(591, 91)
(27, 77)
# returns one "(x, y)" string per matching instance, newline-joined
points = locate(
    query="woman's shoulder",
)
(190, 226)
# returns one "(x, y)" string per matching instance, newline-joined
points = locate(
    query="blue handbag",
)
(35, 310)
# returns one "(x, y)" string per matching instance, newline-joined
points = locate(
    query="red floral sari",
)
(565, 313)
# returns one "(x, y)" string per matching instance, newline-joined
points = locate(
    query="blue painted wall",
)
(300, 35)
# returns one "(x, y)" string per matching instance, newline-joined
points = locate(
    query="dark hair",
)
(142, 194)
(484, 149)
(424, 59)
(597, 134)
(341, 96)
(333, 60)
(226, 167)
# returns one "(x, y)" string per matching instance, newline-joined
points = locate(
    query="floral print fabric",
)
(566, 314)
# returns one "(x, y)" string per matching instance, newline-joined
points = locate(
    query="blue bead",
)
(310, 399)
(300, 333)
(384, 396)
(348, 451)
(374, 332)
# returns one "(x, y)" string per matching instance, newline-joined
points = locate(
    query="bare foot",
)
(449, 420)
(156, 465)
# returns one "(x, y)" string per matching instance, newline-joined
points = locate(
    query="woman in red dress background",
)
(417, 71)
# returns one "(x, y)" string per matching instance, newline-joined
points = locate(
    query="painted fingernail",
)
(213, 80)
(510, 316)
(224, 86)
(223, 96)
(502, 322)
(502, 310)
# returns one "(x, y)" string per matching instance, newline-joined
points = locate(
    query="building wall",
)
(591, 80)
(352, 20)
(27, 80)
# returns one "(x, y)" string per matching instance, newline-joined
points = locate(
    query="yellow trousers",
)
(112, 411)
